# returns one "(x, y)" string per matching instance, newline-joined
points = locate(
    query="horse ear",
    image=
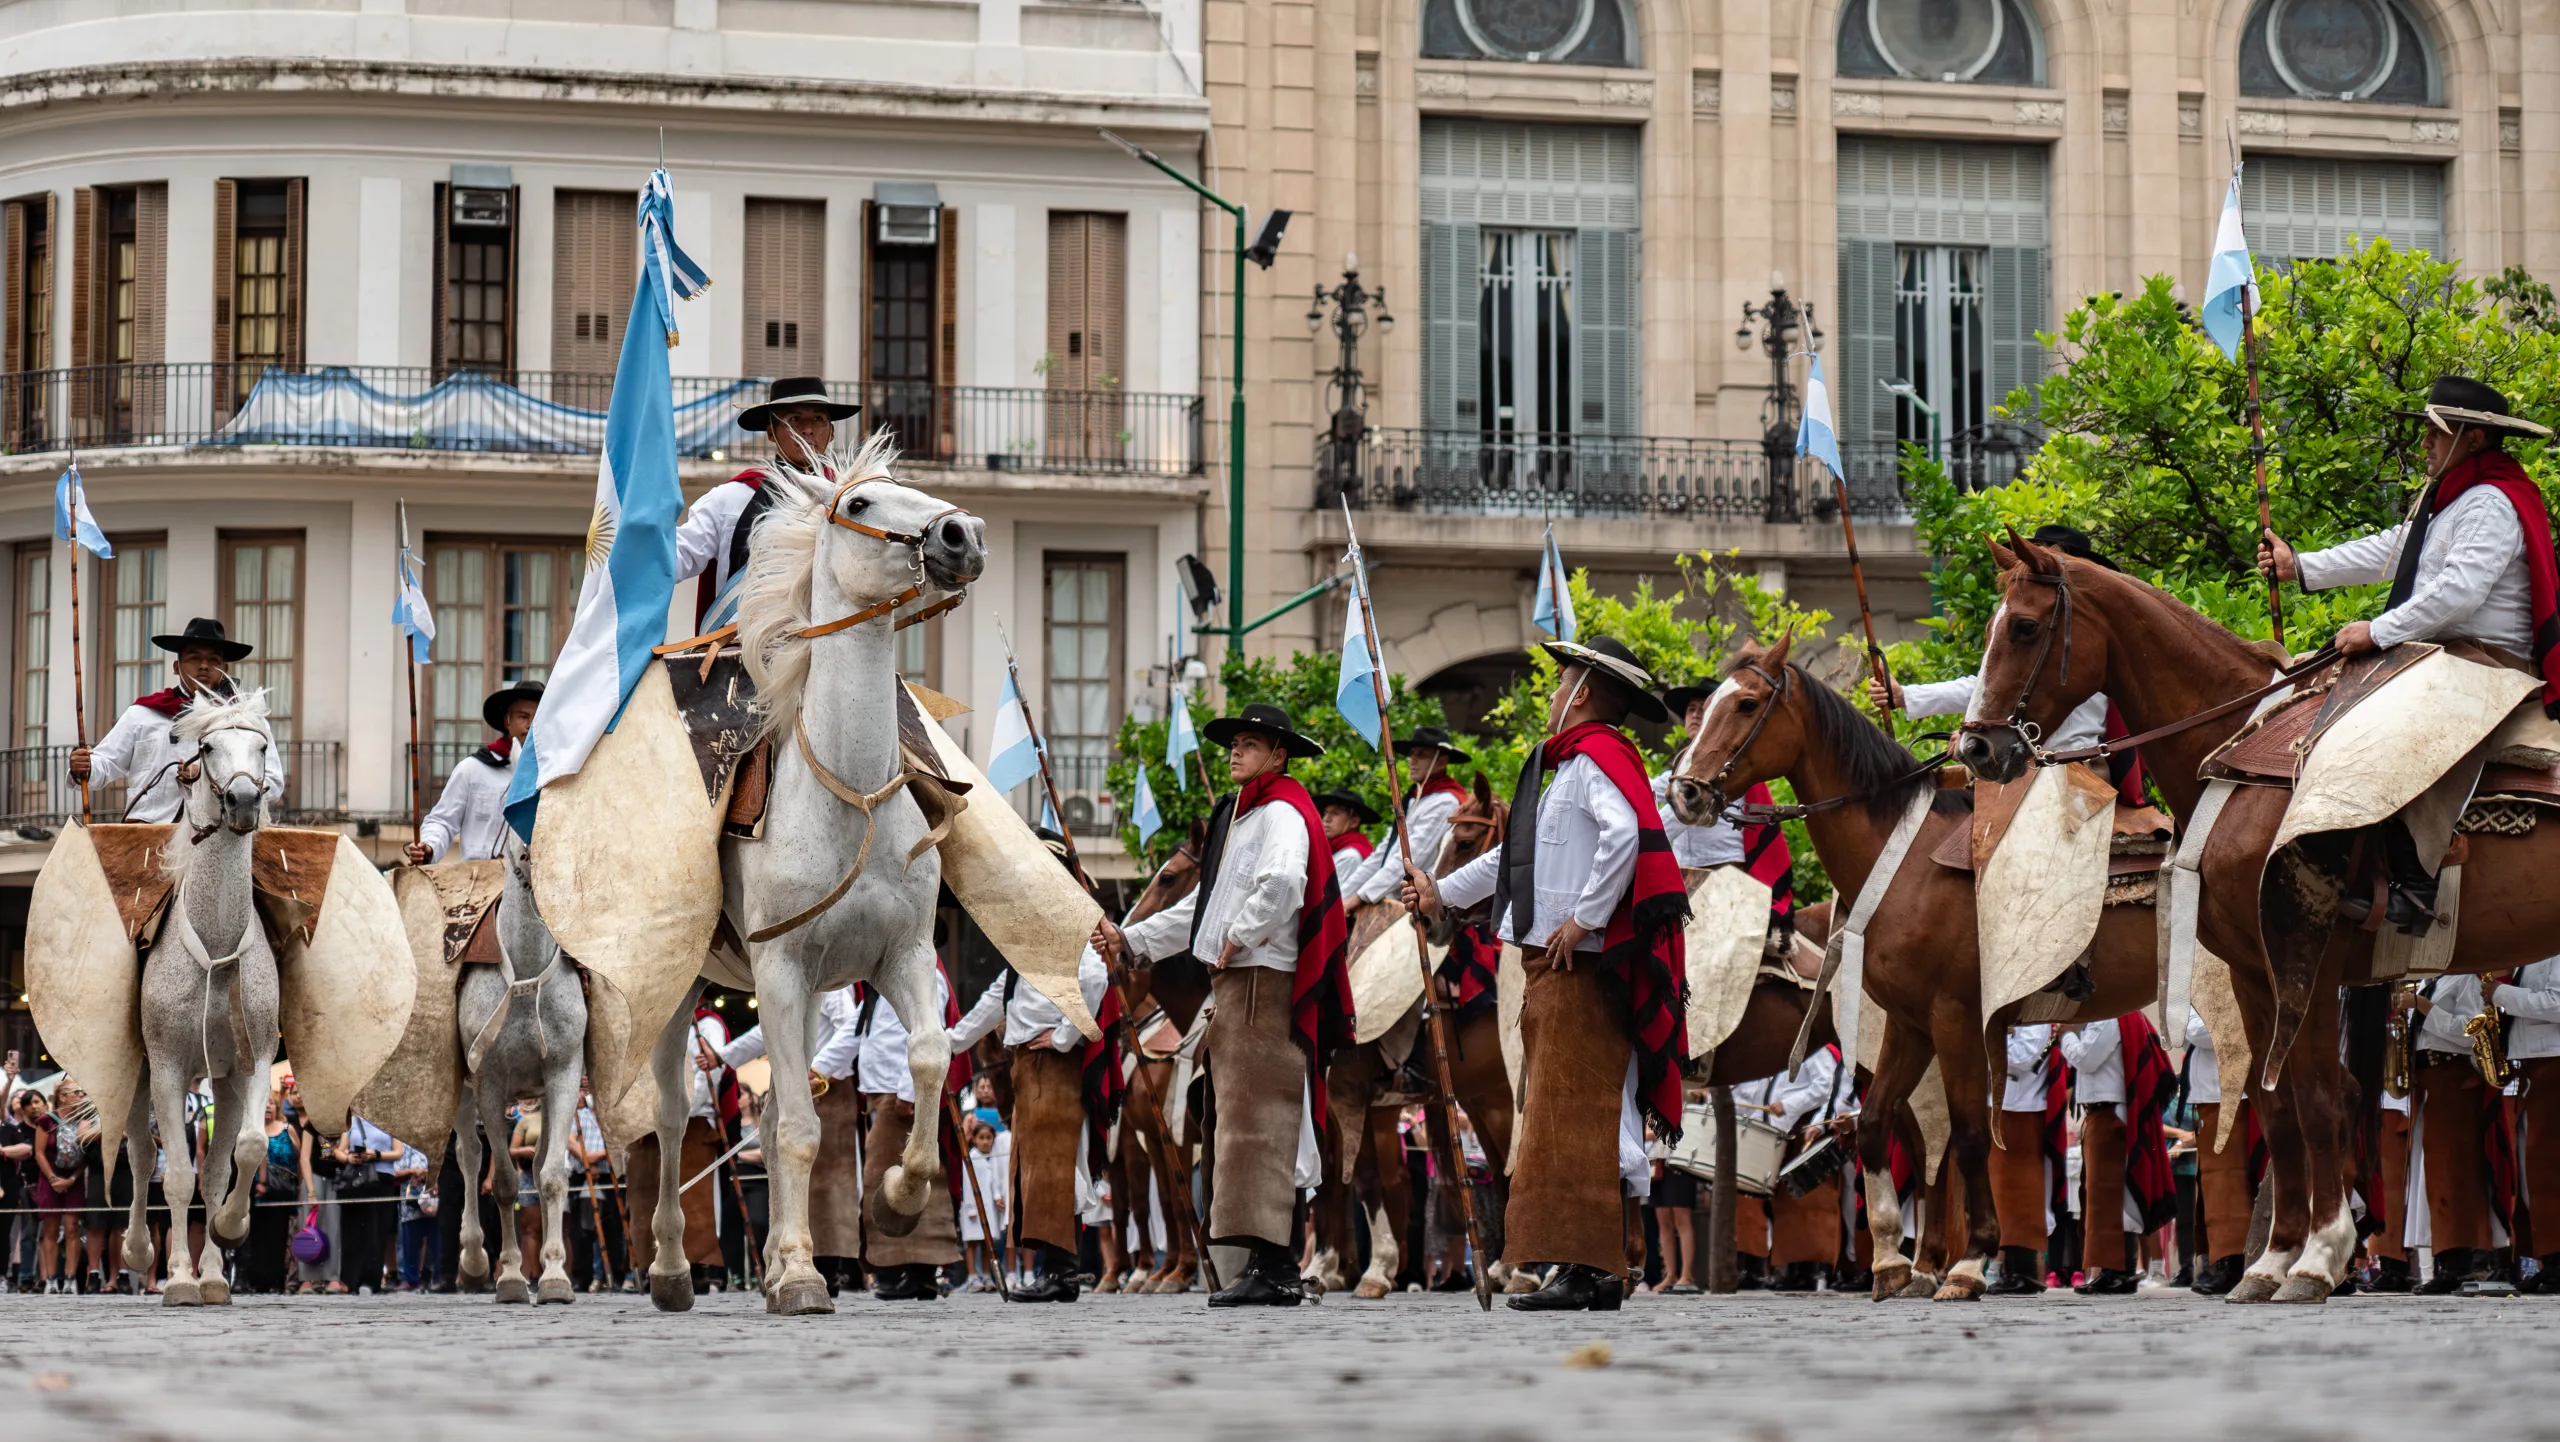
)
(2007, 558)
(1775, 658)
(1484, 793)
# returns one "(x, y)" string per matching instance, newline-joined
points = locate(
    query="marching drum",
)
(1758, 1150)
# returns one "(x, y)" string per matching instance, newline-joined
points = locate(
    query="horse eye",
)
(1746, 704)
(2022, 628)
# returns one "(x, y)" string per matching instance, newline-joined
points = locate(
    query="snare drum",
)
(1758, 1150)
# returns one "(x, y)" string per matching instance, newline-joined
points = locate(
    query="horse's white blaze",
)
(1973, 708)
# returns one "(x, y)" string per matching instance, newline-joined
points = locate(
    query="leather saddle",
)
(716, 698)
(2140, 843)
(2270, 750)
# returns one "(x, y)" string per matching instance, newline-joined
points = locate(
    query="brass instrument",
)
(2400, 1043)
(2488, 1033)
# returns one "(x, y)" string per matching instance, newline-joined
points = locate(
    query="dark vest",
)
(1515, 887)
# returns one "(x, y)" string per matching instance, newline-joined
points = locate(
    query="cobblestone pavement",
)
(1757, 1368)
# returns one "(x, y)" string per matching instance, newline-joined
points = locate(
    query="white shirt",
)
(472, 810)
(2096, 1055)
(883, 1066)
(139, 750)
(2532, 1000)
(702, 538)
(2204, 1073)
(1262, 882)
(2028, 1082)
(987, 1171)
(1802, 1096)
(1029, 1016)
(2085, 726)
(2471, 578)
(1586, 858)
(837, 1046)
(2456, 998)
(1347, 864)
(1718, 843)
(1382, 874)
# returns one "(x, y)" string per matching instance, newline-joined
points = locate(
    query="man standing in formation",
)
(142, 748)
(1267, 918)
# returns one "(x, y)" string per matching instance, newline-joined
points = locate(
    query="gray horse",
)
(210, 999)
(524, 1030)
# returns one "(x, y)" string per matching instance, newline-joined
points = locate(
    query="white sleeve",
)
(1472, 882)
(2359, 562)
(443, 825)
(2531, 1003)
(2026, 1050)
(1354, 884)
(2199, 1036)
(748, 1046)
(1430, 822)
(2091, 1046)
(1801, 1094)
(1166, 933)
(112, 758)
(839, 1045)
(1279, 888)
(983, 1017)
(1613, 855)
(706, 523)
(2483, 545)
(1921, 699)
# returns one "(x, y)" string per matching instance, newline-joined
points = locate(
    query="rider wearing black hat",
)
(142, 747)
(800, 418)
(472, 810)
(1428, 753)
(1344, 813)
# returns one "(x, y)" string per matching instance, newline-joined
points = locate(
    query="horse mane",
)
(782, 560)
(1871, 762)
(248, 710)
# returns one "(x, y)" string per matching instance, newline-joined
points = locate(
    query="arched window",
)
(1978, 42)
(1571, 32)
(2338, 50)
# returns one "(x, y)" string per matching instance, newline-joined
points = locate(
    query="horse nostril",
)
(954, 534)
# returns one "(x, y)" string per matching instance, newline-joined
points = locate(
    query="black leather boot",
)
(2453, 1265)
(1057, 1279)
(1794, 1277)
(2110, 1282)
(2217, 1277)
(1269, 1280)
(1751, 1274)
(1574, 1288)
(2021, 1274)
(2391, 1274)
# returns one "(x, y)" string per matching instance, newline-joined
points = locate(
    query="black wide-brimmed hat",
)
(807, 391)
(1608, 658)
(2071, 541)
(494, 710)
(1430, 738)
(204, 632)
(1347, 801)
(2456, 401)
(1270, 721)
(1677, 700)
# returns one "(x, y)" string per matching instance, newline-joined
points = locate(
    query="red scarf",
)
(2499, 471)
(1353, 840)
(168, 703)
(724, 1085)
(2124, 768)
(1320, 1001)
(1103, 1086)
(2148, 1083)
(1643, 953)
(1766, 857)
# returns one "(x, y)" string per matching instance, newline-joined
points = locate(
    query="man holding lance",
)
(143, 746)
(472, 811)
(1267, 918)
(800, 418)
(1428, 754)
(1591, 894)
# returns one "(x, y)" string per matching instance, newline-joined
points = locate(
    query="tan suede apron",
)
(1260, 1076)
(1048, 1124)
(1564, 1192)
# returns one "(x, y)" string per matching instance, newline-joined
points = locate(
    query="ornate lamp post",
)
(1786, 326)
(1338, 447)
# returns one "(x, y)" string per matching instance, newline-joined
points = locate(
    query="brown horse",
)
(2067, 629)
(1179, 985)
(1923, 967)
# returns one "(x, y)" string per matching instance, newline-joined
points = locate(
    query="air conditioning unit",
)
(474, 206)
(910, 224)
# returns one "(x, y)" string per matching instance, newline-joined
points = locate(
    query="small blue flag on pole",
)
(1180, 740)
(409, 609)
(2233, 276)
(1355, 695)
(71, 518)
(1143, 811)
(1815, 435)
(1016, 759)
(1554, 611)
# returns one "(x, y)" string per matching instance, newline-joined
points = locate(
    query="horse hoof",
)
(2254, 1287)
(216, 1291)
(1107, 1284)
(234, 1242)
(555, 1290)
(467, 1280)
(1890, 1280)
(512, 1290)
(886, 1219)
(1923, 1285)
(2304, 1289)
(806, 1297)
(671, 1293)
(181, 1294)
(1958, 1288)
(1370, 1289)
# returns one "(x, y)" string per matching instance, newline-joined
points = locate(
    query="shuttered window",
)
(2301, 209)
(1529, 179)
(502, 609)
(595, 266)
(257, 283)
(1084, 602)
(25, 408)
(1088, 281)
(119, 297)
(133, 586)
(262, 606)
(786, 275)
(903, 345)
(1984, 203)
(34, 595)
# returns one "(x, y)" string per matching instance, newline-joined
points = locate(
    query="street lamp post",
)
(1786, 325)
(1261, 250)
(1901, 389)
(1338, 458)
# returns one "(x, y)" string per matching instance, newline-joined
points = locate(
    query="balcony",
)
(563, 413)
(36, 789)
(1518, 473)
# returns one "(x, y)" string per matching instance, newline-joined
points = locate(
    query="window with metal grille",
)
(1938, 338)
(262, 607)
(1083, 619)
(34, 691)
(134, 584)
(30, 238)
(261, 279)
(502, 609)
(123, 274)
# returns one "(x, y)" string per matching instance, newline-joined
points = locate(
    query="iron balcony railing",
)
(431, 764)
(1084, 793)
(36, 789)
(563, 413)
(1518, 473)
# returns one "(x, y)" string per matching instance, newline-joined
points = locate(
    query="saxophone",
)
(2488, 1033)
(2400, 1044)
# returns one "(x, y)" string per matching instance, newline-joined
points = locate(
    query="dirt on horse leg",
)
(1902, 1057)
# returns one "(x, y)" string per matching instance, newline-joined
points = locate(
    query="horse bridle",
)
(912, 540)
(204, 766)
(2017, 720)
(1761, 815)
(1777, 693)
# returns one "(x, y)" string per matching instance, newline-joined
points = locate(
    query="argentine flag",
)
(1180, 740)
(71, 518)
(2233, 276)
(1015, 758)
(631, 540)
(1553, 613)
(409, 609)
(1815, 435)
(1355, 695)
(1143, 811)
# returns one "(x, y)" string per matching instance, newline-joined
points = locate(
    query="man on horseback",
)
(1267, 918)
(2473, 562)
(472, 811)
(800, 418)
(2087, 722)
(1586, 885)
(143, 746)
(1428, 755)
(1344, 814)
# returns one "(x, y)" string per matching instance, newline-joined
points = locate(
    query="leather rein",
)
(1752, 813)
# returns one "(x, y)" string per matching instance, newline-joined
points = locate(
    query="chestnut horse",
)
(2162, 662)
(1923, 968)
(1179, 985)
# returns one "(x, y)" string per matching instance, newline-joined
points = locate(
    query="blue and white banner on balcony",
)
(1815, 435)
(631, 540)
(466, 411)
(71, 519)
(1143, 811)
(2233, 278)
(1014, 757)
(1180, 740)
(1553, 612)
(1355, 695)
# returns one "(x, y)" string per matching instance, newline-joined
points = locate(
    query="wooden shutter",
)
(1452, 266)
(1606, 331)
(946, 359)
(151, 302)
(862, 363)
(785, 311)
(13, 244)
(54, 275)
(293, 272)
(1106, 282)
(226, 268)
(438, 346)
(85, 213)
(1067, 286)
(595, 268)
(1862, 411)
(2014, 308)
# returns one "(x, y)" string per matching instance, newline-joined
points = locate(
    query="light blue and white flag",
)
(1355, 695)
(409, 609)
(1180, 740)
(1554, 612)
(71, 518)
(631, 539)
(2233, 276)
(1015, 757)
(1143, 810)
(1815, 435)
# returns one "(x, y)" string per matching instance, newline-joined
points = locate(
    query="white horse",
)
(210, 1001)
(536, 1049)
(830, 895)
